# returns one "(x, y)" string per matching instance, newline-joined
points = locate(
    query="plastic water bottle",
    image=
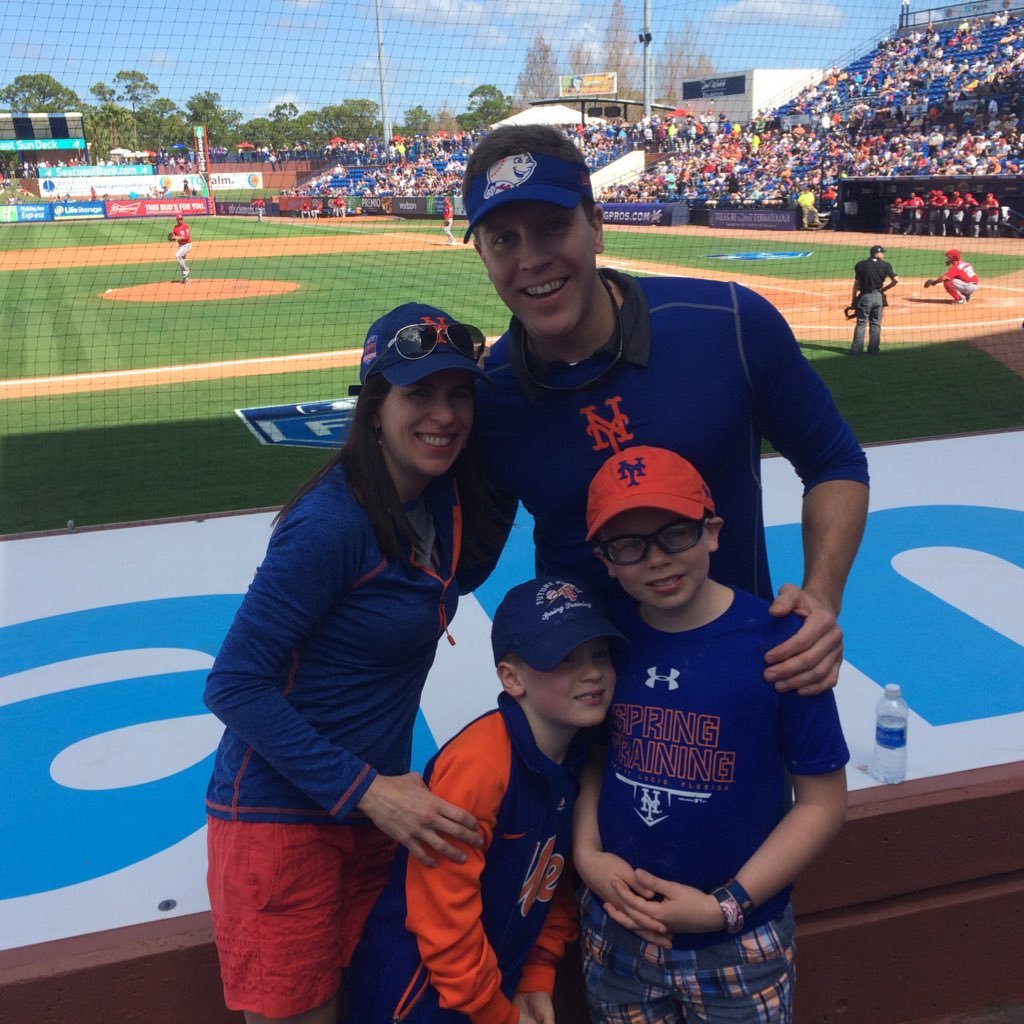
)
(891, 715)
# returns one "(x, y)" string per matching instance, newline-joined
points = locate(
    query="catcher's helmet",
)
(953, 255)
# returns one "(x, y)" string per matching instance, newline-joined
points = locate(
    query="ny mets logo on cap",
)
(632, 471)
(508, 173)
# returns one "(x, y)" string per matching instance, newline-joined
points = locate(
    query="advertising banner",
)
(78, 211)
(712, 88)
(604, 84)
(34, 145)
(651, 214)
(150, 185)
(155, 207)
(753, 220)
(34, 213)
(409, 206)
(376, 204)
(254, 180)
(245, 209)
(202, 149)
(94, 170)
(8, 215)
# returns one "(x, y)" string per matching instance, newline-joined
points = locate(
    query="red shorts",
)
(289, 903)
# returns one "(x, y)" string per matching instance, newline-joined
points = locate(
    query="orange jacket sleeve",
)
(444, 903)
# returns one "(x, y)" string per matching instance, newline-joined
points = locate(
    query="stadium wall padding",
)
(915, 913)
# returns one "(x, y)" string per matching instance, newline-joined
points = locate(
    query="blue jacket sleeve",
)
(313, 558)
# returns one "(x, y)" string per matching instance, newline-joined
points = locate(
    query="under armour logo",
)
(653, 677)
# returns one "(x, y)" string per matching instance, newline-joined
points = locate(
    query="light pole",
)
(385, 120)
(645, 39)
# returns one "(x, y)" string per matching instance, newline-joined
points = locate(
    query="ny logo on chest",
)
(608, 432)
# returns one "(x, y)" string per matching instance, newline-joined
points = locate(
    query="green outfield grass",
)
(142, 453)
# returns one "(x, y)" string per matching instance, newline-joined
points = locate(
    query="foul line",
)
(29, 387)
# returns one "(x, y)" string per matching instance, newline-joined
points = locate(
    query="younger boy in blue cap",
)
(480, 941)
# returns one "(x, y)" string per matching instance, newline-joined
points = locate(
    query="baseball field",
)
(118, 385)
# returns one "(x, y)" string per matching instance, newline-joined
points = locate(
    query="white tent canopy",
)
(553, 113)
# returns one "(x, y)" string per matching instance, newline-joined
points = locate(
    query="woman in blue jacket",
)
(319, 678)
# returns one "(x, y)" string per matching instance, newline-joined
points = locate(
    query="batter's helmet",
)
(953, 254)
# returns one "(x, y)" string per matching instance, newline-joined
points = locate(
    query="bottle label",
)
(891, 739)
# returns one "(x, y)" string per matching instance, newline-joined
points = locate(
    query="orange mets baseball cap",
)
(646, 477)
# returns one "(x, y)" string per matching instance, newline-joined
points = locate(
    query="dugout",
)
(864, 201)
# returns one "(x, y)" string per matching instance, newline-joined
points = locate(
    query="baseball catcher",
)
(960, 279)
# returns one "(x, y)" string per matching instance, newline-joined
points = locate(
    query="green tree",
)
(136, 91)
(260, 131)
(351, 119)
(221, 122)
(416, 121)
(108, 127)
(162, 123)
(487, 104)
(38, 94)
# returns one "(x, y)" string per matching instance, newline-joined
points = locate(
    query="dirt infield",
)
(992, 320)
(313, 244)
(212, 289)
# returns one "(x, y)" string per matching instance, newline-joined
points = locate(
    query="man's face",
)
(541, 260)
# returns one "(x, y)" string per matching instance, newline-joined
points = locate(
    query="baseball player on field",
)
(448, 217)
(182, 234)
(959, 280)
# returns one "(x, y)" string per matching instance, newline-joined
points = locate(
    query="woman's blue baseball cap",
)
(380, 356)
(523, 177)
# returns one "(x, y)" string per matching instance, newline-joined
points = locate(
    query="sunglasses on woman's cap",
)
(415, 350)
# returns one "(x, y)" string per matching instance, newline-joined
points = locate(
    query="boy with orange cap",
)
(685, 844)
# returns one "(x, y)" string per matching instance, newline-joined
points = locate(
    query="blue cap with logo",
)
(445, 343)
(545, 619)
(526, 176)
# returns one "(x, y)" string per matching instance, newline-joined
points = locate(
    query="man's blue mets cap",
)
(523, 177)
(545, 619)
(447, 344)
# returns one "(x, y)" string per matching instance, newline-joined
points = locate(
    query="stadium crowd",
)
(910, 109)
(933, 102)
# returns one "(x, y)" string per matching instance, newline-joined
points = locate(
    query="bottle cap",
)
(892, 689)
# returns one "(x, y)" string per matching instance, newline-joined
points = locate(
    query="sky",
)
(317, 52)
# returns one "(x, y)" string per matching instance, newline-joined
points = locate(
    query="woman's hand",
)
(402, 807)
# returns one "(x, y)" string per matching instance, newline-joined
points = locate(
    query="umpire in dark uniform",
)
(868, 299)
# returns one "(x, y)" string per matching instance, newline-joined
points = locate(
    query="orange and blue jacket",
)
(455, 942)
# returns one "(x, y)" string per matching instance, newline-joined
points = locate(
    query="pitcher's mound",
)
(199, 289)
